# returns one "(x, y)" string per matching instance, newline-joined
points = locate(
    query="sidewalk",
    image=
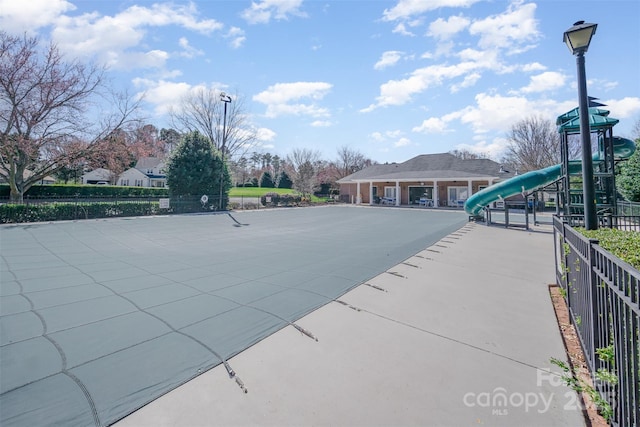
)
(460, 334)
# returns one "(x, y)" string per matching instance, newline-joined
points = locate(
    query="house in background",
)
(436, 180)
(47, 180)
(98, 175)
(148, 172)
(153, 169)
(133, 178)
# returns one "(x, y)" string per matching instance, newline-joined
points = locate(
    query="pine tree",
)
(266, 180)
(195, 168)
(284, 181)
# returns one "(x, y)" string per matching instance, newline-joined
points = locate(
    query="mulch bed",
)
(575, 355)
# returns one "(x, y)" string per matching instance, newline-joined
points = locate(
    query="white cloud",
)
(376, 136)
(321, 124)
(388, 59)
(261, 12)
(27, 16)
(282, 99)
(546, 81)
(432, 125)
(534, 66)
(265, 134)
(445, 29)
(402, 30)
(389, 139)
(495, 148)
(236, 36)
(495, 112)
(468, 81)
(407, 8)
(114, 39)
(514, 30)
(188, 51)
(623, 108)
(399, 92)
(402, 142)
(162, 94)
(130, 60)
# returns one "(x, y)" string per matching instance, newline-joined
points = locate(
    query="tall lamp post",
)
(577, 39)
(225, 99)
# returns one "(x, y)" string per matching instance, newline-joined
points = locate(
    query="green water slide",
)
(622, 149)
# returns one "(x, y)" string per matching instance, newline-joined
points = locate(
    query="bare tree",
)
(45, 101)
(349, 161)
(469, 155)
(534, 143)
(170, 139)
(301, 167)
(202, 110)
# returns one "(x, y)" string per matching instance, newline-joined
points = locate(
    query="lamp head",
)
(579, 36)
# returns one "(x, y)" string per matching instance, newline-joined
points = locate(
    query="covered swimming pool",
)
(100, 317)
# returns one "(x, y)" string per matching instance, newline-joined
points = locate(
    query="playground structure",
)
(565, 178)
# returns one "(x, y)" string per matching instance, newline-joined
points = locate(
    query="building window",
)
(458, 195)
(124, 182)
(419, 195)
(138, 183)
(390, 192)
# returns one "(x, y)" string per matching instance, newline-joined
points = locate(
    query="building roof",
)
(99, 174)
(429, 167)
(148, 162)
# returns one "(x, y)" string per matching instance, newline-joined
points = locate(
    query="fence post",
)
(597, 308)
(565, 257)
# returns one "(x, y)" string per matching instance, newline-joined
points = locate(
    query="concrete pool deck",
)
(459, 334)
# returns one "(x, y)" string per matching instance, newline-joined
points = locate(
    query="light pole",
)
(225, 99)
(577, 39)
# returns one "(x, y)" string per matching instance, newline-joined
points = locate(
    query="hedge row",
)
(71, 190)
(16, 213)
(275, 199)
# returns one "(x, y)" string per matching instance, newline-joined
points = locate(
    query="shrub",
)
(75, 190)
(42, 212)
(275, 199)
(623, 244)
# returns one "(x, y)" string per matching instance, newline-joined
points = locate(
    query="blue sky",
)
(391, 79)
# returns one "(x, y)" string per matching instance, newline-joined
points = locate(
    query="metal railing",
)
(602, 294)
(628, 208)
(621, 222)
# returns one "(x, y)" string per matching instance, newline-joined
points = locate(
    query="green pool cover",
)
(100, 317)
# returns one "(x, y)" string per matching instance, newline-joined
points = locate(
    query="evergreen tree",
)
(283, 180)
(266, 180)
(628, 182)
(195, 168)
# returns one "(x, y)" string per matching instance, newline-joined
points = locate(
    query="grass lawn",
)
(259, 192)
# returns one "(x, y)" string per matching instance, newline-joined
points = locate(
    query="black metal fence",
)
(602, 294)
(621, 222)
(37, 209)
(73, 208)
(628, 208)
